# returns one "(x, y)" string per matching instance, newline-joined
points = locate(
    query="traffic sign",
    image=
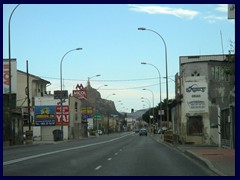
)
(97, 116)
(57, 94)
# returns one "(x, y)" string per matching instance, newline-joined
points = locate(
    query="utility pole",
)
(29, 133)
(28, 99)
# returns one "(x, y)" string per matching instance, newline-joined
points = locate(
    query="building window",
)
(219, 73)
(194, 126)
(76, 106)
(216, 73)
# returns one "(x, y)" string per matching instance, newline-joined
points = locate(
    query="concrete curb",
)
(204, 162)
(195, 156)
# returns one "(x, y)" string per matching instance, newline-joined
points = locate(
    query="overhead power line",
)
(99, 80)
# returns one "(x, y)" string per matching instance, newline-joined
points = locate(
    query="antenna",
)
(222, 44)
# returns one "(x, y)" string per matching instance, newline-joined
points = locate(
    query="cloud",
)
(213, 18)
(222, 8)
(181, 13)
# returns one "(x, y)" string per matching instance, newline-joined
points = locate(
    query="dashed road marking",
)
(97, 168)
(116, 154)
(59, 151)
(109, 159)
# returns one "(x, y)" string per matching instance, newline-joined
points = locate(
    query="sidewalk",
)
(219, 160)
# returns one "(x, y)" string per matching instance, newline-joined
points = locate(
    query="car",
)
(100, 132)
(143, 132)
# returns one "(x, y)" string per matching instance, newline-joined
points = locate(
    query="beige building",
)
(75, 118)
(203, 111)
(37, 88)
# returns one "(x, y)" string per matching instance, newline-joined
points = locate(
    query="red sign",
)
(65, 115)
(80, 92)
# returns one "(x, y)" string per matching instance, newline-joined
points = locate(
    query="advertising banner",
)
(87, 110)
(65, 115)
(45, 115)
(196, 96)
(80, 92)
(6, 76)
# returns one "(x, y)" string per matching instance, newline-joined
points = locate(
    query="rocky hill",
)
(100, 105)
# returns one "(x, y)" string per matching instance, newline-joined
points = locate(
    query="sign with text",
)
(80, 92)
(44, 115)
(6, 77)
(196, 95)
(86, 116)
(65, 115)
(87, 110)
(57, 94)
(231, 11)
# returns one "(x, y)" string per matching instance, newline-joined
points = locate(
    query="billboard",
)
(196, 96)
(45, 115)
(231, 11)
(6, 80)
(65, 115)
(80, 92)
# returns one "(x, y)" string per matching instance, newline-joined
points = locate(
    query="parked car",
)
(100, 132)
(143, 132)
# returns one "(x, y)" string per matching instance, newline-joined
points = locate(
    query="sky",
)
(112, 45)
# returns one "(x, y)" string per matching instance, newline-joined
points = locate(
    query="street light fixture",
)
(149, 105)
(61, 100)
(101, 86)
(95, 102)
(88, 83)
(160, 87)
(12, 136)
(111, 95)
(143, 29)
(108, 113)
(152, 100)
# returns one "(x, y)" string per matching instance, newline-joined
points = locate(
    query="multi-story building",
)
(205, 100)
(19, 120)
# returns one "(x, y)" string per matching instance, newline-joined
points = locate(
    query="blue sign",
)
(86, 116)
(45, 115)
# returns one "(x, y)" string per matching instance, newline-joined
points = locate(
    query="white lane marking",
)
(59, 151)
(116, 154)
(109, 159)
(97, 168)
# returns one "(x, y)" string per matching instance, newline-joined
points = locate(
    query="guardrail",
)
(168, 136)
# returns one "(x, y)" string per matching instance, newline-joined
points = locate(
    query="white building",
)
(203, 91)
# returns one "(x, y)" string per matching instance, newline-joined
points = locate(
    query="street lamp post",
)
(160, 87)
(95, 103)
(149, 104)
(92, 77)
(10, 76)
(142, 28)
(109, 113)
(101, 86)
(61, 99)
(152, 102)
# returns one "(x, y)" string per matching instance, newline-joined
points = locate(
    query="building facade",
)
(204, 85)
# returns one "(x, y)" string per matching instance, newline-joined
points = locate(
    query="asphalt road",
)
(125, 154)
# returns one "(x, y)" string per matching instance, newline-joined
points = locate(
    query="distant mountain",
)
(136, 115)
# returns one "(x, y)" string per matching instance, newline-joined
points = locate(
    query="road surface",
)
(125, 154)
